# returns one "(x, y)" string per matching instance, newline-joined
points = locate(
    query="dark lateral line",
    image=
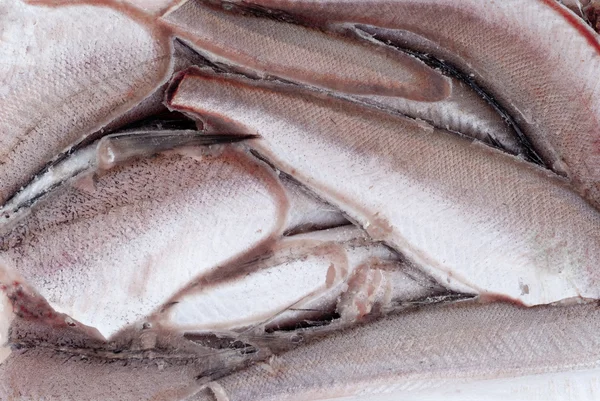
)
(453, 72)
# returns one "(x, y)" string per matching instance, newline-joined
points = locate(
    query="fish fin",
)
(116, 148)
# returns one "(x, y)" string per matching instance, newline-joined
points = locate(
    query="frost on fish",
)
(473, 350)
(146, 9)
(66, 72)
(270, 48)
(474, 218)
(535, 58)
(301, 279)
(110, 246)
(153, 105)
(111, 150)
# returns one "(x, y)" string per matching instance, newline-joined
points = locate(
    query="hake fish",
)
(66, 72)
(390, 79)
(290, 52)
(456, 352)
(474, 218)
(536, 58)
(109, 246)
(303, 278)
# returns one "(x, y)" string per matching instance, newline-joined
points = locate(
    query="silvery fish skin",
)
(302, 278)
(462, 351)
(266, 47)
(449, 205)
(535, 57)
(153, 104)
(64, 77)
(139, 231)
(295, 53)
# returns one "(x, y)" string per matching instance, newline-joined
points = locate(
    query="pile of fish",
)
(299, 200)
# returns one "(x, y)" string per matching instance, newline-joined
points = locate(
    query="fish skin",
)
(183, 58)
(158, 221)
(271, 48)
(46, 374)
(303, 277)
(148, 9)
(51, 98)
(541, 67)
(103, 154)
(307, 211)
(266, 47)
(449, 205)
(432, 351)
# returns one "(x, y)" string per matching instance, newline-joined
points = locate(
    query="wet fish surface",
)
(449, 205)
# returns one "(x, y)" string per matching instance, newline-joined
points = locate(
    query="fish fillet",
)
(535, 57)
(266, 47)
(474, 218)
(65, 73)
(452, 352)
(109, 247)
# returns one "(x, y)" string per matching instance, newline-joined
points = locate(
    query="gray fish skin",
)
(46, 374)
(63, 77)
(111, 150)
(455, 352)
(110, 246)
(291, 52)
(449, 205)
(272, 48)
(537, 59)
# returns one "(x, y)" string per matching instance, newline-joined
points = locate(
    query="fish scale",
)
(456, 194)
(535, 58)
(467, 350)
(53, 99)
(155, 223)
